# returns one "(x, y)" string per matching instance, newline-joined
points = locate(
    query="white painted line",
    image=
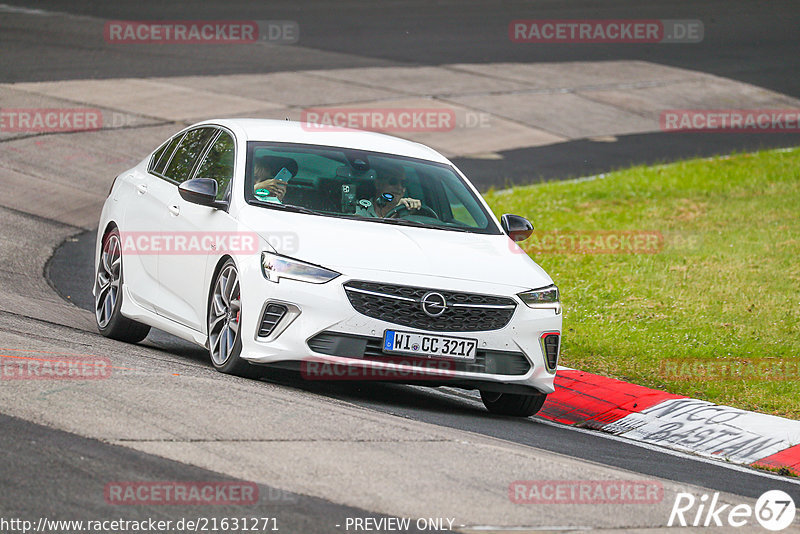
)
(525, 529)
(5, 8)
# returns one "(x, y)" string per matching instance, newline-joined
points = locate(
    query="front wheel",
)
(224, 318)
(108, 295)
(518, 405)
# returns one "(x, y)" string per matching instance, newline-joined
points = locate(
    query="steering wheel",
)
(394, 212)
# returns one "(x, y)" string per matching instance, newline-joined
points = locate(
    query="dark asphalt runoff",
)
(754, 42)
(586, 157)
(73, 473)
(747, 41)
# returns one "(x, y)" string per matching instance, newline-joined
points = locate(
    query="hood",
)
(341, 244)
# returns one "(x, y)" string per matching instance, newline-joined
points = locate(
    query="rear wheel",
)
(224, 318)
(108, 295)
(518, 405)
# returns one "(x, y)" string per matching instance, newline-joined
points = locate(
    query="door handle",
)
(175, 210)
(141, 188)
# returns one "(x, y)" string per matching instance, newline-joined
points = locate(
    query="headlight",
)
(544, 297)
(276, 267)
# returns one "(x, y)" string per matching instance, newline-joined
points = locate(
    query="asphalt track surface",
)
(746, 41)
(77, 463)
(70, 271)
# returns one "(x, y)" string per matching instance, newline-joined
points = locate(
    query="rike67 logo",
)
(774, 510)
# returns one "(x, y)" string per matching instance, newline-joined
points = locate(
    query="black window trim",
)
(184, 134)
(163, 177)
(214, 135)
(153, 162)
(207, 149)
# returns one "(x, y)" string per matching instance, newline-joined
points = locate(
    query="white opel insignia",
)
(341, 253)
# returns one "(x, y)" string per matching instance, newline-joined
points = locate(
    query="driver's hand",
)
(411, 203)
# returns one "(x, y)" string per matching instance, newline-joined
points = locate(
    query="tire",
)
(108, 295)
(223, 320)
(515, 404)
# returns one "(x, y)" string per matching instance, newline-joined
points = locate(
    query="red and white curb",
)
(673, 421)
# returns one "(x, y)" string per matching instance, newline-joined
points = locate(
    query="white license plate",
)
(425, 345)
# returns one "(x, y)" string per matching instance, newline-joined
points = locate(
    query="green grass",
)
(725, 287)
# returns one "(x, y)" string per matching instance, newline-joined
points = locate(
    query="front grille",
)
(464, 312)
(370, 348)
(273, 314)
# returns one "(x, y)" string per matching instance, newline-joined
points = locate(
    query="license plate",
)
(425, 345)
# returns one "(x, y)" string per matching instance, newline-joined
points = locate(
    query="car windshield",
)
(369, 186)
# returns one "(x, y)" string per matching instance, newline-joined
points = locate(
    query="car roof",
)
(306, 133)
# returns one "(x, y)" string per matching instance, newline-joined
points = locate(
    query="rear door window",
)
(161, 158)
(188, 152)
(218, 164)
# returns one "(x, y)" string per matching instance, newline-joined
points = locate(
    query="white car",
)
(341, 253)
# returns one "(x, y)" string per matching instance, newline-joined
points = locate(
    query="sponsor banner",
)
(730, 120)
(585, 492)
(642, 31)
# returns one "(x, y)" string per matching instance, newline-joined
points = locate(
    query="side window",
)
(156, 157)
(218, 164)
(190, 148)
(161, 162)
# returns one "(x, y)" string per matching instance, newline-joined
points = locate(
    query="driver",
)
(264, 178)
(389, 193)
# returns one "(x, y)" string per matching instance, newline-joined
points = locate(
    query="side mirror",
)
(518, 228)
(202, 191)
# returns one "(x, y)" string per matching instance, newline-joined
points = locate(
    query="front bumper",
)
(511, 357)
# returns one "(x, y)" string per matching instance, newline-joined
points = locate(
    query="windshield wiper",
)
(286, 207)
(406, 222)
(399, 222)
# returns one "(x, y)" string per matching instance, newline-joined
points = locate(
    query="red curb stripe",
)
(789, 458)
(595, 401)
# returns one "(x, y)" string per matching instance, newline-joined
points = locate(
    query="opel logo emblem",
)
(433, 304)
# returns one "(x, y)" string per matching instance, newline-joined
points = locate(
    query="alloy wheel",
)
(109, 274)
(224, 315)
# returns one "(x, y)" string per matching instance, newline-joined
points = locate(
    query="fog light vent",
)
(551, 343)
(273, 314)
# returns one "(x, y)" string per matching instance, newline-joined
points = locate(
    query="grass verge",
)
(712, 309)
